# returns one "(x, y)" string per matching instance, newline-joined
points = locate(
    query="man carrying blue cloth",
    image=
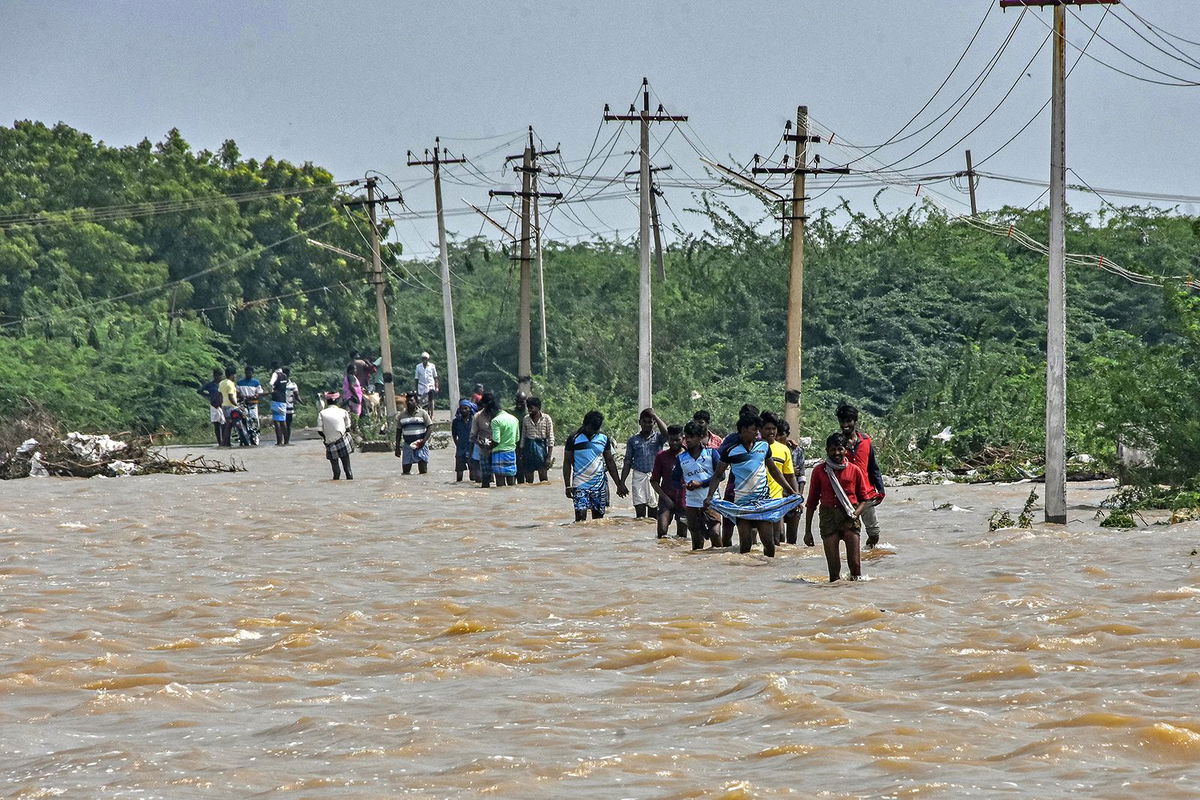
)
(752, 507)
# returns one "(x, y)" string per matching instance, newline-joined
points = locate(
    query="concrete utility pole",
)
(794, 348)
(971, 183)
(439, 158)
(527, 169)
(385, 342)
(655, 220)
(645, 303)
(1056, 310)
(541, 276)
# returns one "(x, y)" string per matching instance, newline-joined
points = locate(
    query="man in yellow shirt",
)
(781, 454)
(229, 397)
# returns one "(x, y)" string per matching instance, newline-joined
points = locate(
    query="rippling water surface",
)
(276, 633)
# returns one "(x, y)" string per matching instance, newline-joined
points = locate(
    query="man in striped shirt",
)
(412, 435)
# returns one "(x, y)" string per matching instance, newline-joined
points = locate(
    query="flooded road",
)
(273, 633)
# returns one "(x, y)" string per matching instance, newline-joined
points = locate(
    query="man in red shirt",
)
(665, 482)
(861, 452)
(841, 491)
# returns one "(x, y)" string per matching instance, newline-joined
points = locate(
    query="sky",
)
(354, 86)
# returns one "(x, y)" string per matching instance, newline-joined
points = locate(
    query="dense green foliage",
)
(920, 320)
(192, 285)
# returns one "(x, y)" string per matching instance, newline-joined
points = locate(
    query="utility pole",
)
(439, 158)
(385, 342)
(1056, 307)
(645, 302)
(541, 276)
(794, 348)
(527, 169)
(655, 221)
(971, 182)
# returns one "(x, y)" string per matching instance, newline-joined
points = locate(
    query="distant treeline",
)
(110, 319)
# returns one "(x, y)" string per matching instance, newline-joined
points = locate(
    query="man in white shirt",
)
(426, 380)
(334, 426)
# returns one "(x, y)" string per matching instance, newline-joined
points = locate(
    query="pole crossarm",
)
(440, 156)
(506, 193)
(397, 199)
(801, 170)
(489, 218)
(652, 169)
(337, 250)
(1043, 3)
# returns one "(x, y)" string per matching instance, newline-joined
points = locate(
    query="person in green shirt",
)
(505, 432)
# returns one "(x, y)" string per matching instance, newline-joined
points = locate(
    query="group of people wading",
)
(675, 473)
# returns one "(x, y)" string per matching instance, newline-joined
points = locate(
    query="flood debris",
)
(32, 446)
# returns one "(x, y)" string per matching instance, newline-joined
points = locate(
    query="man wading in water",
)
(588, 458)
(334, 426)
(412, 436)
(861, 452)
(841, 491)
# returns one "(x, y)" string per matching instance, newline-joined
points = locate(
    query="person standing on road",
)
(293, 400)
(250, 391)
(860, 451)
(425, 380)
(211, 392)
(229, 400)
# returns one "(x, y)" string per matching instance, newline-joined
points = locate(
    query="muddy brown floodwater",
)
(274, 633)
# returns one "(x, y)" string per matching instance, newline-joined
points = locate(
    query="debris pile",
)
(31, 446)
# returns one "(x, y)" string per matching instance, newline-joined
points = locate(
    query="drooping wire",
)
(895, 137)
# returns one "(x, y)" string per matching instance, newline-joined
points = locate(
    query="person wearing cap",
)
(426, 382)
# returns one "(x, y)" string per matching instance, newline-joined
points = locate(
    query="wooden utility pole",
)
(527, 169)
(794, 346)
(645, 302)
(440, 156)
(971, 183)
(1056, 307)
(385, 342)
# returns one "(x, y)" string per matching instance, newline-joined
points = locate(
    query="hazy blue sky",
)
(354, 86)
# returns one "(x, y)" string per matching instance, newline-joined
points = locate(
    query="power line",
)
(1103, 63)
(1158, 28)
(894, 137)
(978, 125)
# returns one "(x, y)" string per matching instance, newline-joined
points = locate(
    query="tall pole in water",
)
(439, 158)
(795, 312)
(794, 346)
(645, 287)
(1056, 294)
(645, 305)
(528, 193)
(524, 334)
(385, 342)
(541, 277)
(1056, 312)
